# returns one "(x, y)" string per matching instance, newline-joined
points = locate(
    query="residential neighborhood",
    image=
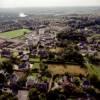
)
(51, 57)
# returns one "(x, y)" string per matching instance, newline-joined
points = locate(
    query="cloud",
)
(44, 3)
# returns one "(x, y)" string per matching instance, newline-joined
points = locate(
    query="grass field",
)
(13, 34)
(92, 69)
(62, 69)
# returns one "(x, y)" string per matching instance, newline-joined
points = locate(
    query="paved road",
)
(22, 95)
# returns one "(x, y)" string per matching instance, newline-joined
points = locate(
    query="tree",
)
(7, 96)
(53, 94)
(74, 57)
(7, 66)
(22, 82)
(95, 81)
(3, 80)
(33, 94)
(77, 81)
(42, 96)
(56, 95)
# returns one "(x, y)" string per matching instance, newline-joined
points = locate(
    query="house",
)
(25, 57)
(86, 84)
(24, 65)
(6, 53)
(31, 81)
(34, 52)
(43, 53)
(42, 86)
(13, 79)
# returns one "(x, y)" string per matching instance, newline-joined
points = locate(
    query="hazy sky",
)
(49, 3)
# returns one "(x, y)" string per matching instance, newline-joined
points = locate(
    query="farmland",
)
(62, 69)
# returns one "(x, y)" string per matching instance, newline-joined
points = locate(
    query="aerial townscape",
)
(50, 54)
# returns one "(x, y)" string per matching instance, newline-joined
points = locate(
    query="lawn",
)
(36, 65)
(37, 60)
(2, 59)
(62, 69)
(14, 34)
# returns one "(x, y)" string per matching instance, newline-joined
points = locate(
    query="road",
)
(22, 95)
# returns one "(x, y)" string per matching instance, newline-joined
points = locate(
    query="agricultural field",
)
(14, 34)
(62, 69)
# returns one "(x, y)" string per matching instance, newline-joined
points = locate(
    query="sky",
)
(47, 3)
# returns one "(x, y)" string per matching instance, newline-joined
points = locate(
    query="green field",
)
(92, 69)
(14, 34)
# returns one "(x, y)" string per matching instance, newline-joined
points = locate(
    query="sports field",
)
(14, 34)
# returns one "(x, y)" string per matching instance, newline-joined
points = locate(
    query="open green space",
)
(92, 69)
(14, 34)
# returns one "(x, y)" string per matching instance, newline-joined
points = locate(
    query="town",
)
(50, 57)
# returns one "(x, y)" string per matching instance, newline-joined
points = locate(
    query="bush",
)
(35, 70)
(95, 81)
(42, 96)
(77, 81)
